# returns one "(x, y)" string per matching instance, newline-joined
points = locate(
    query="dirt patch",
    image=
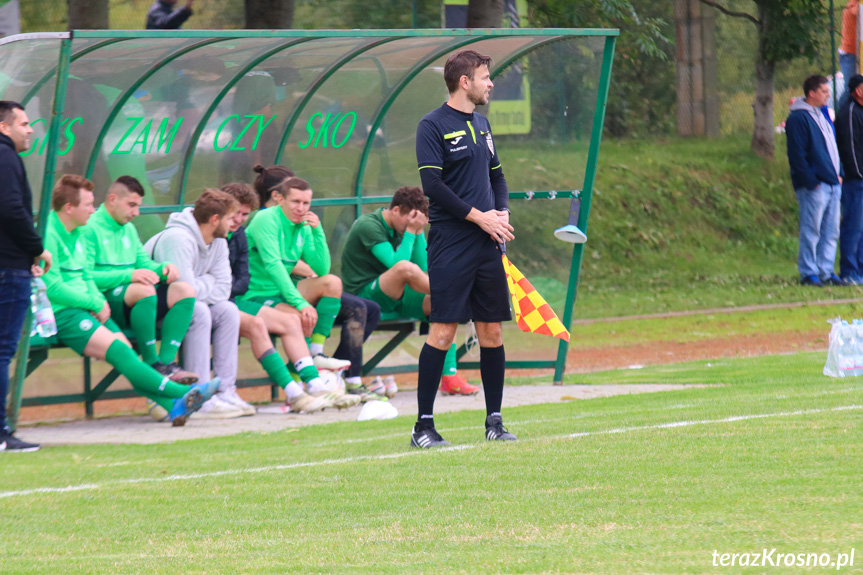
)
(583, 360)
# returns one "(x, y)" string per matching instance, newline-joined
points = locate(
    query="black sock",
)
(430, 370)
(492, 366)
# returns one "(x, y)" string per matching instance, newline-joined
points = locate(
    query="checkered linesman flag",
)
(532, 312)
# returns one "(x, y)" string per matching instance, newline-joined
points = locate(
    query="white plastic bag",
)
(841, 353)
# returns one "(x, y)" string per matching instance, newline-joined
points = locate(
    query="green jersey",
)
(373, 247)
(68, 281)
(114, 251)
(276, 244)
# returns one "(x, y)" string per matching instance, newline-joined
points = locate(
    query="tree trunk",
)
(762, 108)
(88, 15)
(269, 14)
(484, 13)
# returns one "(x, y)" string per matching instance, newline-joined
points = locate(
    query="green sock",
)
(274, 367)
(307, 370)
(143, 320)
(449, 362)
(143, 378)
(164, 402)
(174, 328)
(295, 375)
(328, 308)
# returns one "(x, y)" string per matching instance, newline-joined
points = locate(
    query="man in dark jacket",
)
(849, 136)
(21, 251)
(816, 175)
(162, 16)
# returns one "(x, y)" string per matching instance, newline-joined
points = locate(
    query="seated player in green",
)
(385, 260)
(139, 290)
(83, 315)
(280, 236)
(258, 321)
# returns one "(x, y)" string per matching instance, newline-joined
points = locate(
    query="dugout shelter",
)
(186, 110)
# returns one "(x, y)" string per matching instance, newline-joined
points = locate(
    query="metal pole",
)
(587, 194)
(22, 358)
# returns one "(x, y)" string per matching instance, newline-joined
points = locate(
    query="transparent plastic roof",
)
(184, 111)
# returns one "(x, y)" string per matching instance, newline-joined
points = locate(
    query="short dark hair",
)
(294, 183)
(243, 193)
(130, 183)
(812, 83)
(269, 179)
(462, 63)
(855, 82)
(67, 190)
(408, 198)
(8, 107)
(211, 203)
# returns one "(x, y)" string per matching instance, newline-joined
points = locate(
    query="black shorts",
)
(466, 276)
(121, 313)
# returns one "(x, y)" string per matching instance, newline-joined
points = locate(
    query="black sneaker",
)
(495, 431)
(427, 438)
(175, 373)
(9, 442)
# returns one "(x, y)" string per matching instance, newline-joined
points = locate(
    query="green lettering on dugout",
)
(145, 137)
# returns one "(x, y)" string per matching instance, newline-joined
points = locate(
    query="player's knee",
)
(332, 285)
(258, 330)
(407, 270)
(136, 292)
(181, 290)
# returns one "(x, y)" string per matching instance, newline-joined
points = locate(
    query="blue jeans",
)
(14, 299)
(819, 229)
(851, 230)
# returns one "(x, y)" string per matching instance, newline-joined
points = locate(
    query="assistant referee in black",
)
(468, 197)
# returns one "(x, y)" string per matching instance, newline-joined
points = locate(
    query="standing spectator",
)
(195, 241)
(849, 136)
(848, 47)
(816, 175)
(21, 250)
(162, 16)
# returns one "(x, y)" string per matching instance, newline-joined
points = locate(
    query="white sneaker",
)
(377, 386)
(325, 362)
(391, 387)
(306, 403)
(156, 411)
(234, 399)
(217, 408)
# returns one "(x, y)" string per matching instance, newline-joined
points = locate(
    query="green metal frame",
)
(586, 197)
(27, 361)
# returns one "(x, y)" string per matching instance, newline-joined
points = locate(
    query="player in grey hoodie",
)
(194, 241)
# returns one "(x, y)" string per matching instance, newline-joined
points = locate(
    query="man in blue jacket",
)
(21, 250)
(816, 175)
(849, 138)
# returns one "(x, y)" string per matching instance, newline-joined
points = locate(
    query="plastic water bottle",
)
(847, 350)
(43, 315)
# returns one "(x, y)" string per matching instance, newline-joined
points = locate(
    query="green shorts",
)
(254, 304)
(76, 326)
(410, 305)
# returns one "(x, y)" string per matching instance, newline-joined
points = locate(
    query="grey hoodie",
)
(824, 125)
(206, 267)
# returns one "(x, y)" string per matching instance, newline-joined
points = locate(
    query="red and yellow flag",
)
(532, 312)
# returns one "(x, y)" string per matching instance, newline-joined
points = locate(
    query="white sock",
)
(316, 348)
(293, 390)
(303, 362)
(354, 380)
(316, 385)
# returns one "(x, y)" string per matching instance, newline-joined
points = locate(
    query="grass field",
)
(767, 457)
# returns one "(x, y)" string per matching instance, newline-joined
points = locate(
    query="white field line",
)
(245, 471)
